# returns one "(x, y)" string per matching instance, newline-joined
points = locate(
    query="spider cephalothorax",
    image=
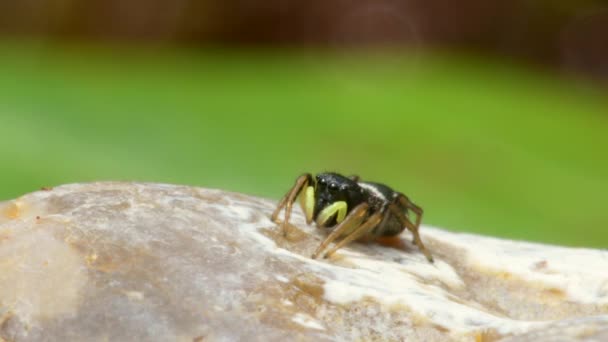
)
(353, 208)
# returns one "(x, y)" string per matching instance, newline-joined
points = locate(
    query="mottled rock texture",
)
(152, 262)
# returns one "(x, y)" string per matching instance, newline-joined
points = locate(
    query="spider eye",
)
(333, 186)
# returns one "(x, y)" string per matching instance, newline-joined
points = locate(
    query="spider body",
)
(351, 208)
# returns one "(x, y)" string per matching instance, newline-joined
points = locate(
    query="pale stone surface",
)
(152, 262)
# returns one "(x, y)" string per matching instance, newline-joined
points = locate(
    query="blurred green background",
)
(484, 142)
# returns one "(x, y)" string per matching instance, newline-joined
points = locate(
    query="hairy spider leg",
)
(405, 202)
(352, 220)
(363, 229)
(411, 227)
(289, 198)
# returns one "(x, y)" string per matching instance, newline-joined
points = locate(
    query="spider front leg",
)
(286, 202)
(359, 232)
(350, 223)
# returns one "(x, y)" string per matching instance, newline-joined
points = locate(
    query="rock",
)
(142, 262)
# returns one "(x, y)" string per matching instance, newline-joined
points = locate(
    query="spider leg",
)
(287, 200)
(364, 228)
(405, 202)
(398, 212)
(352, 220)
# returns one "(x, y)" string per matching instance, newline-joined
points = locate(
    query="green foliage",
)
(482, 148)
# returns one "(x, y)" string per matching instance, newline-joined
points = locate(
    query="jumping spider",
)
(353, 208)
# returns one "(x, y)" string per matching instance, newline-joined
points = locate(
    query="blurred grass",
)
(482, 147)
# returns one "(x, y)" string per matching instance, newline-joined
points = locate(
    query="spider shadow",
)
(395, 243)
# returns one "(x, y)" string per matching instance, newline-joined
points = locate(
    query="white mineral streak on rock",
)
(130, 261)
(572, 270)
(307, 321)
(281, 278)
(580, 273)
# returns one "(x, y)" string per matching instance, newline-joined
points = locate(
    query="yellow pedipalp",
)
(338, 207)
(341, 211)
(307, 201)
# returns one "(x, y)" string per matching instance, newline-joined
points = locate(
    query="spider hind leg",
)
(397, 210)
